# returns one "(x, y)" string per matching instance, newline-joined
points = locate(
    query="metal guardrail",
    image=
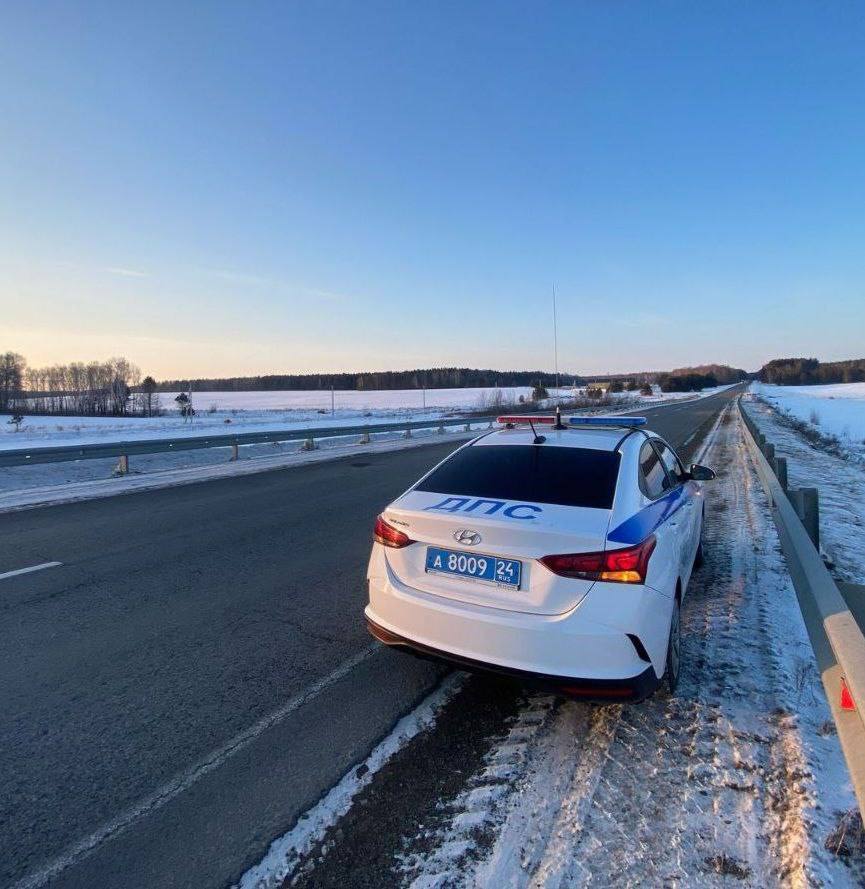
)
(124, 449)
(836, 637)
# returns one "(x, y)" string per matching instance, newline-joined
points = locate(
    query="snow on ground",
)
(226, 412)
(839, 480)
(55, 431)
(71, 482)
(353, 400)
(837, 410)
(393, 399)
(738, 779)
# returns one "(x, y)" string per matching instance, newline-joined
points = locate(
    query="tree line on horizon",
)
(704, 376)
(116, 387)
(812, 372)
(112, 388)
(420, 378)
(781, 371)
(440, 378)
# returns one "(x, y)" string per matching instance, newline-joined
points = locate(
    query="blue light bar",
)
(620, 422)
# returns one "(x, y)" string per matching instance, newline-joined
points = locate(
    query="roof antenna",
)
(556, 340)
(539, 439)
(558, 424)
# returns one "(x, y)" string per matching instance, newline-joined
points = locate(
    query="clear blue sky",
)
(220, 188)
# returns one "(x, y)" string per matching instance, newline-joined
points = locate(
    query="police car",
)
(560, 553)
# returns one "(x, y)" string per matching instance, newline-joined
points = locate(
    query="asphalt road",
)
(195, 673)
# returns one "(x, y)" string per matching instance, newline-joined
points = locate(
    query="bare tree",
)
(95, 388)
(123, 375)
(149, 399)
(184, 405)
(12, 368)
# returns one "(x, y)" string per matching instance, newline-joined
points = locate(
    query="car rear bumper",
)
(614, 638)
(632, 689)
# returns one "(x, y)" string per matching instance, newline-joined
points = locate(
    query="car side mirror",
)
(701, 473)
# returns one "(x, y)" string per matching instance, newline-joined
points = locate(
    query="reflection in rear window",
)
(530, 473)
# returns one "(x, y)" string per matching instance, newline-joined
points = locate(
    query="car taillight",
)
(387, 535)
(628, 565)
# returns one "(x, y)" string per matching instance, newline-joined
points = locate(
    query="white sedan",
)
(558, 553)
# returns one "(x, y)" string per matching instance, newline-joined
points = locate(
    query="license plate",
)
(488, 569)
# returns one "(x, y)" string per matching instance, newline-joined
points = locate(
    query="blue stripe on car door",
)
(640, 525)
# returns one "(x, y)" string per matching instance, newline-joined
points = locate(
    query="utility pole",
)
(332, 401)
(555, 339)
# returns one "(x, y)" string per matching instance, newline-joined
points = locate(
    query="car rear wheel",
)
(674, 650)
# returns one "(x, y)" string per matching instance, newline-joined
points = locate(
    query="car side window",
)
(670, 461)
(653, 476)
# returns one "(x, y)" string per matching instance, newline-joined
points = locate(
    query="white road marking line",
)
(285, 851)
(184, 780)
(29, 570)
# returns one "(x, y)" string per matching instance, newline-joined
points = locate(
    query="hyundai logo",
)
(467, 537)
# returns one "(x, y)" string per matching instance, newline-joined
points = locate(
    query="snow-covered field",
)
(352, 400)
(736, 780)
(840, 482)
(225, 412)
(837, 409)
(398, 400)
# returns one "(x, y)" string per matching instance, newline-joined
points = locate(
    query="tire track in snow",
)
(481, 807)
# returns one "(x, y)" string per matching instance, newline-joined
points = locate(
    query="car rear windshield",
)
(530, 473)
